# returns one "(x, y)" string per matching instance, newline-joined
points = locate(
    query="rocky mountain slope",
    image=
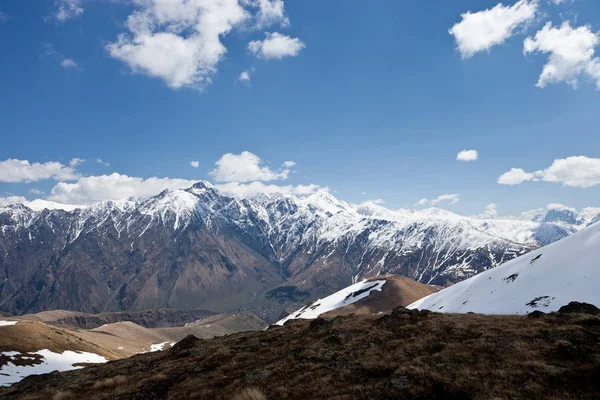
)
(200, 248)
(543, 280)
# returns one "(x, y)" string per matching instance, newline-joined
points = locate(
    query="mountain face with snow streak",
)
(200, 248)
(545, 280)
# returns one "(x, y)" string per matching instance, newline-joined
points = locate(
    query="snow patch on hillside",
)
(344, 297)
(545, 279)
(48, 362)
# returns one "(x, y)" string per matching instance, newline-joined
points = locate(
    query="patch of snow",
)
(545, 279)
(11, 373)
(344, 297)
(8, 323)
(159, 346)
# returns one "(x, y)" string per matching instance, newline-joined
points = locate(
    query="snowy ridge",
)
(344, 297)
(431, 246)
(545, 279)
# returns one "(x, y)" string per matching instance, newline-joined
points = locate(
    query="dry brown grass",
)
(250, 394)
(402, 355)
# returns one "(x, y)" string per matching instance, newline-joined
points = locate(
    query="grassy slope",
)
(397, 355)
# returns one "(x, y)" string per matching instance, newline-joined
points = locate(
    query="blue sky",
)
(371, 102)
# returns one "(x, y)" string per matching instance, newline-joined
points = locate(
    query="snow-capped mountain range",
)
(545, 280)
(200, 248)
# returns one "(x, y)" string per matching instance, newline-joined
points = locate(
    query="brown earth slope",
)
(397, 291)
(400, 355)
(147, 318)
(217, 325)
(30, 336)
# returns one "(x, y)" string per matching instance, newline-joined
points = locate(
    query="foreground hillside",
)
(544, 279)
(402, 354)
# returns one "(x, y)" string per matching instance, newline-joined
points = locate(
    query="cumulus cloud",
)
(7, 201)
(243, 189)
(270, 12)
(570, 54)
(276, 46)
(36, 191)
(65, 10)
(467, 155)
(515, 176)
(178, 41)
(75, 162)
(12, 170)
(480, 31)
(490, 211)
(576, 171)
(246, 167)
(92, 189)
(194, 164)
(102, 162)
(452, 198)
(245, 76)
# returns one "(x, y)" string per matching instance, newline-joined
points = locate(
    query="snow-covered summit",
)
(544, 280)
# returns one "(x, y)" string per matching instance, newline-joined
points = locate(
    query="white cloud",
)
(559, 206)
(178, 41)
(482, 30)
(270, 12)
(75, 162)
(375, 201)
(246, 167)
(589, 213)
(7, 201)
(244, 77)
(450, 198)
(68, 63)
(4, 17)
(467, 155)
(363, 193)
(576, 171)
(102, 162)
(36, 191)
(14, 171)
(92, 189)
(276, 46)
(194, 164)
(490, 211)
(65, 10)
(515, 176)
(241, 189)
(570, 53)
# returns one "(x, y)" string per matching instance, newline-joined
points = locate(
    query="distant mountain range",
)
(202, 249)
